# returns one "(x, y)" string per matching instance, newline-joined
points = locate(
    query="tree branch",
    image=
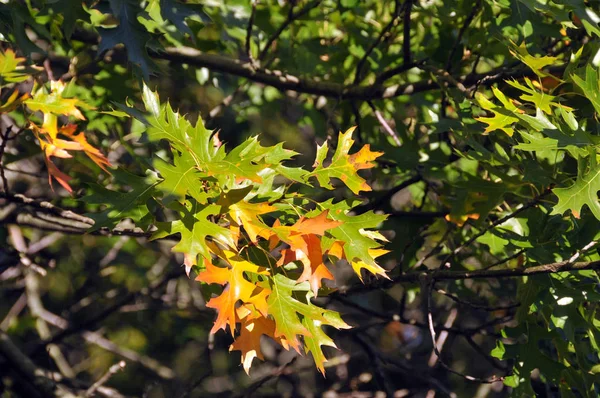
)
(39, 378)
(439, 275)
(384, 31)
(284, 81)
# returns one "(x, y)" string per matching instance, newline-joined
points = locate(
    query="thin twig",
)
(437, 248)
(433, 335)
(502, 220)
(491, 360)
(148, 363)
(291, 18)
(384, 31)
(14, 311)
(487, 308)
(385, 125)
(273, 375)
(474, 11)
(385, 198)
(2, 149)
(587, 247)
(441, 340)
(91, 321)
(18, 361)
(375, 361)
(101, 381)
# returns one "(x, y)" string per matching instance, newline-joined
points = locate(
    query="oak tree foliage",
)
(401, 194)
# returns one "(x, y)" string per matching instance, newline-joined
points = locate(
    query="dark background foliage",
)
(475, 245)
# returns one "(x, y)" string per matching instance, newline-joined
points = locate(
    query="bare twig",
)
(272, 375)
(285, 81)
(436, 249)
(101, 381)
(5, 140)
(14, 311)
(505, 260)
(587, 247)
(41, 380)
(385, 125)
(385, 198)
(150, 364)
(375, 361)
(427, 292)
(487, 308)
(91, 321)
(491, 360)
(441, 340)
(533, 202)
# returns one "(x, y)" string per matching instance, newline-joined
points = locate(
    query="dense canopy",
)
(299, 198)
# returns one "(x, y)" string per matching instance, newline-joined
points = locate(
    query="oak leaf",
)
(194, 229)
(248, 341)
(237, 288)
(344, 166)
(287, 310)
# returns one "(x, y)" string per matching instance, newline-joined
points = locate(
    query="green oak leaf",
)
(353, 231)
(248, 161)
(10, 69)
(317, 337)
(539, 98)
(583, 192)
(72, 11)
(496, 243)
(590, 86)
(286, 311)
(576, 144)
(129, 32)
(176, 13)
(536, 64)
(344, 166)
(181, 178)
(503, 119)
(194, 228)
(121, 205)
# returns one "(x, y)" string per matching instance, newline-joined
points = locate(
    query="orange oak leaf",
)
(316, 225)
(293, 234)
(248, 342)
(237, 288)
(51, 145)
(52, 105)
(344, 166)
(336, 249)
(314, 270)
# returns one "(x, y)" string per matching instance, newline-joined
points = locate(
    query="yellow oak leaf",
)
(375, 269)
(247, 215)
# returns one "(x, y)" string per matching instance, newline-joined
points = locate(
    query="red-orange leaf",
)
(248, 342)
(237, 288)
